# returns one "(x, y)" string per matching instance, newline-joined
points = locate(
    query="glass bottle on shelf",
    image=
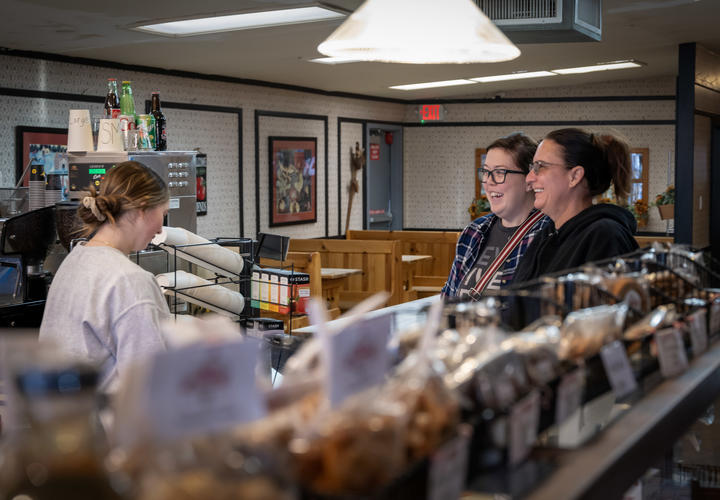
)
(160, 123)
(112, 101)
(127, 102)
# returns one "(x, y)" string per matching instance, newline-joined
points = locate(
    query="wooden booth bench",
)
(428, 276)
(379, 263)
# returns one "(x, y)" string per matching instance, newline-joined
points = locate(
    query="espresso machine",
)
(176, 168)
(24, 243)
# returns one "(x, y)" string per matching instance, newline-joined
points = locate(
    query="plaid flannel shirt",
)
(471, 243)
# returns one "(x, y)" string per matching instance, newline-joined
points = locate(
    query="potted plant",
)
(640, 210)
(479, 207)
(665, 202)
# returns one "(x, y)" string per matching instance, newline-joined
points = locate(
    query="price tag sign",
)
(715, 317)
(671, 352)
(618, 370)
(524, 422)
(569, 394)
(200, 388)
(698, 332)
(357, 357)
(448, 467)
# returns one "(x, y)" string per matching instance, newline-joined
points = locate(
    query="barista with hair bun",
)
(102, 307)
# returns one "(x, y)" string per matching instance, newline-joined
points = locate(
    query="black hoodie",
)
(598, 232)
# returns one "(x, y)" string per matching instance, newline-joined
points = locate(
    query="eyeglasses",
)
(537, 165)
(498, 175)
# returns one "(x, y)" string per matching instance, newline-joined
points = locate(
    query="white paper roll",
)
(220, 260)
(215, 297)
(109, 138)
(79, 131)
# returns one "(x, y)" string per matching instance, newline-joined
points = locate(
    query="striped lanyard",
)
(513, 242)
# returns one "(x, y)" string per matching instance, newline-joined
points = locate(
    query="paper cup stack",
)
(109, 137)
(206, 294)
(79, 131)
(220, 260)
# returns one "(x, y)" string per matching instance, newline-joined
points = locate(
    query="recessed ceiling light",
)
(430, 85)
(333, 60)
(513, 76)
(241, 21)
(600, 67)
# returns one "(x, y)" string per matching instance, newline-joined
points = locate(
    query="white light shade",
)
(241, 21)
(598, 67)
(419, 32)
(513, 76)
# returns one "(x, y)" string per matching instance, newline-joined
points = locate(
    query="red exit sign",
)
(431, 112)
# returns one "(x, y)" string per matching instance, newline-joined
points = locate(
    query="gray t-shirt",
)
(105, 309)
(497, 239)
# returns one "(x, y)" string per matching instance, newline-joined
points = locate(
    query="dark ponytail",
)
(605, 158)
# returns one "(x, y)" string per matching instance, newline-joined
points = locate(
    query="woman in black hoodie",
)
(570, 167)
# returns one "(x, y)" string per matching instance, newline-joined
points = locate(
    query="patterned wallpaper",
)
(439, 161)
(215, 133)
(438, 166)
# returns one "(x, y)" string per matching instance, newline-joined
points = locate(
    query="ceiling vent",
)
(546, 21)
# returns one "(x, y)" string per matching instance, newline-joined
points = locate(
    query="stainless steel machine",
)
(177, 168)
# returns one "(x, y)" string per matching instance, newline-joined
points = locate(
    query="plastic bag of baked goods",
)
(376, 435)
(659, 317)
(584, 332)
(211, 468)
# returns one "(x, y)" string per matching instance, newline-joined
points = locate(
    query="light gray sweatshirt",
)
(105, 309)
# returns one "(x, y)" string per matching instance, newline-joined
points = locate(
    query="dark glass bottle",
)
(160, 123)
(112, 101)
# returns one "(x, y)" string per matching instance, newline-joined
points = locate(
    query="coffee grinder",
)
(24, 243)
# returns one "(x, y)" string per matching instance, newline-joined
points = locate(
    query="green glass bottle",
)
(127, 103)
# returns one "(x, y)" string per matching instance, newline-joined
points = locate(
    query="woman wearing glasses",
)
(490, 247)
(570, 167)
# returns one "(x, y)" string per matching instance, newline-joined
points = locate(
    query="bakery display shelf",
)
(608, 465)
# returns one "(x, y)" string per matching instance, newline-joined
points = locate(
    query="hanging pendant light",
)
(419, 32)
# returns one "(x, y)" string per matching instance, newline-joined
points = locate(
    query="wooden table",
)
(410, 265)
(333, 280)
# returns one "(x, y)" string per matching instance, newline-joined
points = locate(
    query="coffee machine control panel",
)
(180, 177)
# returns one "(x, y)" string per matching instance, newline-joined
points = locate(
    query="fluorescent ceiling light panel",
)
(333, 60)
(430, 85)
(244, 21)
(599, 67)
(512, 76)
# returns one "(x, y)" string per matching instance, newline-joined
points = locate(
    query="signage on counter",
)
(374, 151)
(524, 422)
(698, 332)
(357, 357)
(671, 352)
(200, 388)
(569, 394)
(448, 466)
(618, 370)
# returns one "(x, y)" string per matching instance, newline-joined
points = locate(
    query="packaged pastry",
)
(659, 317)
(211, 468)
(375, 435)
(630, 288)
(584, 332)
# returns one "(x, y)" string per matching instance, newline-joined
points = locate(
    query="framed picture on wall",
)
(293, 180)
(40, 146)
